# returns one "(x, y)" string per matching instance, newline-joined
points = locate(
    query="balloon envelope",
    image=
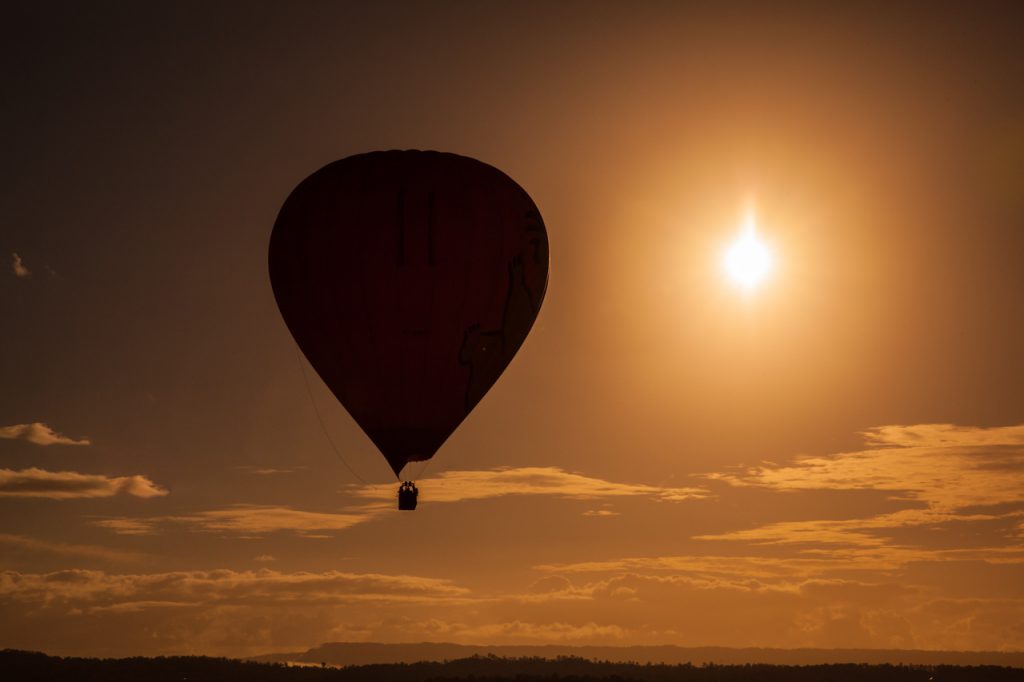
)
(409, 279)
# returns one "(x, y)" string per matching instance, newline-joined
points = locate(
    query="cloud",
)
(551, 583)
(944, 475)
(733, 567)
(459, 486)
(83, 588)
(135, 607)
(33, 545)
(448, 487)
(264, 558)
(268, 471)
(244, 519)
(520, 632)
(19, 267)
(40, 434)
(944, 435)
(125, 526)
(213, 611)
(267, 519)
(804, 564)
(875, 531)
(64, 485)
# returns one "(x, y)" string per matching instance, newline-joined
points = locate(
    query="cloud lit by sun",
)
(748, 261)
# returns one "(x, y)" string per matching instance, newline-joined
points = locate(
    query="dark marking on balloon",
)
(482, 352)
(520, 304)
(488, 352)
(535, 224)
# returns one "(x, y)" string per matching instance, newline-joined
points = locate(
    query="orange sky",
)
(835, 460)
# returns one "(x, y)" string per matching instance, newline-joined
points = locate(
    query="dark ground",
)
(16, 666)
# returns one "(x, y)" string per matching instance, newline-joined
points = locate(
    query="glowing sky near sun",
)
(748, 260)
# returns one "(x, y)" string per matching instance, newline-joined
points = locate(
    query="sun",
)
(748, 261)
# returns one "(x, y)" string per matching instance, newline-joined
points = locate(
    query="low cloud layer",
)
(247, 612)
(66, 485)
(215, 611)
(39, 434)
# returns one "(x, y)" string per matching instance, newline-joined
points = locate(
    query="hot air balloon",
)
(409, 279)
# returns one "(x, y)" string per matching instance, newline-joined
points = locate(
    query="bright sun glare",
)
(748, 261)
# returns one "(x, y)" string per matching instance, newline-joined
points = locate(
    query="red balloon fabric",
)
(409, 279)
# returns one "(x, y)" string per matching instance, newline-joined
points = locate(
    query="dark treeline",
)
(18, 666)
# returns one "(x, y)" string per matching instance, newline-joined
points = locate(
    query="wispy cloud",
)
(126, 526)
(39, 434)
(133, 607)
(64, 485)
(34, 545)
(801, 565)
(557, 632)
(944, 435)
(460, 486)
(268, 471)
(19, 266)
(242, 519)
(256, 519)
(737, 567)
(97, 588)
(943, 473)
(377, 500)
(874, 531)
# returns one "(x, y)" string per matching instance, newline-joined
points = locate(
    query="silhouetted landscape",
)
(30, 666)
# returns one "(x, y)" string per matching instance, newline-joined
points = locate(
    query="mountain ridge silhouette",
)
(368, 653)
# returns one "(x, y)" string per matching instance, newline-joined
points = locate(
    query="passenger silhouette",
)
(407, 494)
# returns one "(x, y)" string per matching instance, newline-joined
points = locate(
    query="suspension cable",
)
(319, 418)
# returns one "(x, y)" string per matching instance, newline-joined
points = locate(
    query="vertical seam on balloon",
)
(401, 227)
(430, 228)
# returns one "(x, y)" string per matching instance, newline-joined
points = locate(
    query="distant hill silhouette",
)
(364, 653)
(23, 666)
